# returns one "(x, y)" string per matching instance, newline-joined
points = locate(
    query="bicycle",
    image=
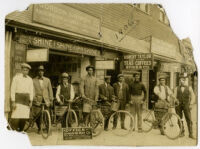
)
(171, 124)
(45, 122)
(97, 119)
(71, 117)
(128, 123)
(115, 120)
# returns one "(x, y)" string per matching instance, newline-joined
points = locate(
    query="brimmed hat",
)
(25, 65)
(41, 67)
(183, 75)
(90, 66)
(162, 76)
(120, 75)
(65, 75)
(107, 77)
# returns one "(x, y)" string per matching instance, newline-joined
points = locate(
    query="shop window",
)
(71, 67)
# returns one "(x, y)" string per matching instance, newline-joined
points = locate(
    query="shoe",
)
(113, 128)
(139, 130)
(162, 132)
(124, 128)
(182, 135)
(39, 131)
(106, 129)
(191, 136)
(133, 129)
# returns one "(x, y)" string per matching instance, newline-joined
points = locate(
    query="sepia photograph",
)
(99, 74)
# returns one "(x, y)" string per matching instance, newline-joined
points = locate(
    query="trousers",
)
(184, 108)
(17, 124)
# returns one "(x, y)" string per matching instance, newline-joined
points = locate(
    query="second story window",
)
(163, 17)
(143, 7)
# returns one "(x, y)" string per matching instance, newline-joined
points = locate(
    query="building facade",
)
(68, 37)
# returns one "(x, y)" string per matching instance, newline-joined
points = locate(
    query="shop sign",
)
(170, 67)
(59, 45)
(105, 64)
(138, 61)
(72, 133)
(37, 55)
(67, 18)
(163, 48)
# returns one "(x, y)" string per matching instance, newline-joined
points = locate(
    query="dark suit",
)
(123, 98)
(41, 94)
(105, 94)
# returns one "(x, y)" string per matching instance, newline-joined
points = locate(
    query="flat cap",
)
(65, 75)
(25, 65)
(120, 75)
(41, 67)
(90, 66)
(107, 77)
(162, 76)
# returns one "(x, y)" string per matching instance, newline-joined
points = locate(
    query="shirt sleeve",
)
(169, 91)
(82, 87)
(13, 88)
(31, 90)
(50, 90)
(145, 91)
(192, 95)
(72, 94)
(97, 90)
(156, 91)
(58, 94)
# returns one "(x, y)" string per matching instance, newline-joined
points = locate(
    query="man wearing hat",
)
(121, 91)
(106, 93)
(89, 89)
(65, 92)
(138, 97)
(21, 97)
(163, 92)
(186, 98)
(43, 93)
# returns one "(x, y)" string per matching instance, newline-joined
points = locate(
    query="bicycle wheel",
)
(171, 125)
(45, 124)
(71, 119)
(147, 120)
(119, 127)
(96, 122)
(28, 124)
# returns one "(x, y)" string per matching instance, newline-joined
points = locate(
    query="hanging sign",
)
(138, 61)
(105, 64)
(37, 55)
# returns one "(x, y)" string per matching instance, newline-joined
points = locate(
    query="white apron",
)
(21, 112)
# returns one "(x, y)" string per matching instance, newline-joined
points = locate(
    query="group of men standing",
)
(26, 92)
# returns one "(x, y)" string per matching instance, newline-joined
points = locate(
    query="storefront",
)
(59, 55)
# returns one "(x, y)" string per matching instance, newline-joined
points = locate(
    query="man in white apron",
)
(21, 98)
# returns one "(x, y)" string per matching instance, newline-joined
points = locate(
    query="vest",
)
(65, 91)
(183, 97)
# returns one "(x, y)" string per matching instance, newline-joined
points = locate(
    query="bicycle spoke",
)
(171, 127)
